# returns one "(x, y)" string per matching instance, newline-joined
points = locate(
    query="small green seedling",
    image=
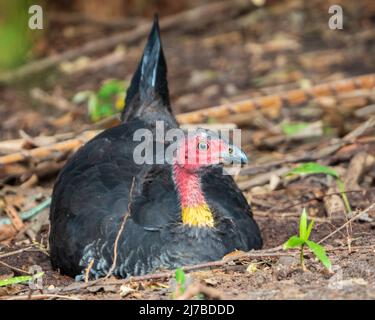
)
(303, 240)
(290, 129)
(316, 168)
(21, 279)
(180, 282)
(108, 100)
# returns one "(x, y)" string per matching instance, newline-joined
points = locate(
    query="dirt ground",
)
(353, 275)
(267, 50)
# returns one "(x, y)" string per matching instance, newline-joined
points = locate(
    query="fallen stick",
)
(16, 145)
(203, 15)
(322, 153)
(119, 233)
(299, 203)
(40, 297)
(348, 222)
(57, 102)
(361, 163)
(45, 151)
(29, 213)
(12, 253)
(14, 218)
(41, 152)
(14, 268)
(291, 97)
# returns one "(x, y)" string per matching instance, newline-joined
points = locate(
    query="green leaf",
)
(313, 168)
(320, 253)
(309, 229)
(291, 129)
(82, 96)
(303, 225)
(180, 276)
(105, 110)
(293, 242)
(21, 279)
(180, 280)
(111, 88)
(93, 108)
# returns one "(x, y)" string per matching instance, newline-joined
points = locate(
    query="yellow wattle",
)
(198, 216)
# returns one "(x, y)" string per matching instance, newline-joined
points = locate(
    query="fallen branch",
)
(40, 297)
(45, 151)
(276, 102)
(321, 153)
(14, 218)
(16, 145)
(12, 253)
(274, 209)
(14, 268)
(29, 213)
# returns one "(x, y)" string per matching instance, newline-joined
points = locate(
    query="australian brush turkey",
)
(177, 213)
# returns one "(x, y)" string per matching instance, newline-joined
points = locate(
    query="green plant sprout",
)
(180, 282)
(316, 168)
(290, 129)
(303, 240)
(20, 279)
(108, 100)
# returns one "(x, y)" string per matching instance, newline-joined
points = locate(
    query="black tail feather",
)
(149, 82)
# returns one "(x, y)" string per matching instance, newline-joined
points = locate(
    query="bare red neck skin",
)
(188, 186)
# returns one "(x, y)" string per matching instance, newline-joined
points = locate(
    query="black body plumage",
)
(91, 195)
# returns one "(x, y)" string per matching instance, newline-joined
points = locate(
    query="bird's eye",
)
(202, 146)
(230, 150)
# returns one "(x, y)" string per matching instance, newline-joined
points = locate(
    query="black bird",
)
(180, 213)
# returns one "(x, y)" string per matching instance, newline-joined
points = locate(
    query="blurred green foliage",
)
(16, 39)
(108, 100)
(290, 129)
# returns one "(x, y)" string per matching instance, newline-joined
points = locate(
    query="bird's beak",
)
(237, 156)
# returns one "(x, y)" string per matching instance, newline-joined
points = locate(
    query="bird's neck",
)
(195, 210)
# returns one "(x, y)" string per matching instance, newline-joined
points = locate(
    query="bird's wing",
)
(230, 206)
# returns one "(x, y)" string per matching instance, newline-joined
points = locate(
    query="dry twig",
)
(122, 226)
(348, 222)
